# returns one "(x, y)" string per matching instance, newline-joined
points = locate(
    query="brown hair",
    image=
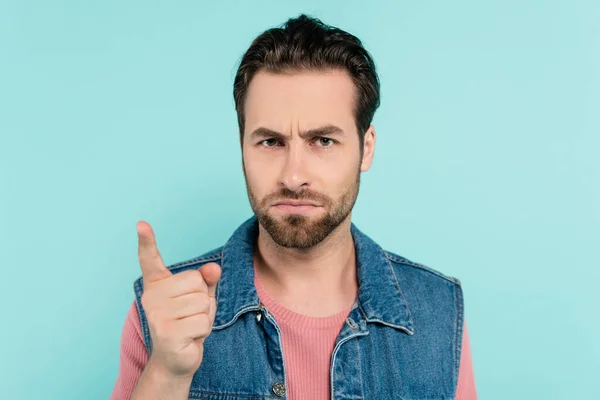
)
(307, 44)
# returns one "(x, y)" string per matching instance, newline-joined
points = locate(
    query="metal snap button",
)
(352, 324)
(279, 389)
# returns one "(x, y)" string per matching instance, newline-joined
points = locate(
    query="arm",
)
(466, 378)
(133, 358)
(138, 377)
(155, 384)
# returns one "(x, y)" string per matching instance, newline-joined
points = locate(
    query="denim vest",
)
(402, 338)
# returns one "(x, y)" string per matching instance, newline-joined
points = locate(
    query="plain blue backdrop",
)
(486, 168)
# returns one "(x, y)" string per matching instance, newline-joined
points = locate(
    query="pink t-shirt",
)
(307, 342)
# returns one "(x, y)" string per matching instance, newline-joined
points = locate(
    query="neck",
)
(318, 281)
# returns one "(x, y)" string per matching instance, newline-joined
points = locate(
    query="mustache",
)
(287, 194)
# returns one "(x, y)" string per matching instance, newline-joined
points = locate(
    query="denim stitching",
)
(402, 327)
(334, 355)
(459, 321)
(243, 310)
(245, 396)
(279, 335)
(201, 260)
(142, 317)
(401, 294)
(362, 392)
(361, 310)
(405, 261)
(219, 283)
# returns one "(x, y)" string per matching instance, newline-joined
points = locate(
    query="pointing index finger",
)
(151, 263)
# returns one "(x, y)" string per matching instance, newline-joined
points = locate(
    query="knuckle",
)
(204, 322)
(197, 281)
(196, 303)
(193, 280)
(148, 254)
(201, 326)
(204, 301)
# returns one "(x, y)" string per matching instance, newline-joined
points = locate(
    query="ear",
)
(369, 149)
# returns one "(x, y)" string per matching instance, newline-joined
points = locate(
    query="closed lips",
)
(294, 203)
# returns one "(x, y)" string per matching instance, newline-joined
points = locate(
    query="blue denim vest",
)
(402, 339)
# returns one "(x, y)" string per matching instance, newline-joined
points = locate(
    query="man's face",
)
(301, 154)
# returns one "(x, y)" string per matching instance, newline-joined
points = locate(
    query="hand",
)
(180, 308)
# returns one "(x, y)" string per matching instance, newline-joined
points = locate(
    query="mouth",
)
(295, 203)
(295, 207)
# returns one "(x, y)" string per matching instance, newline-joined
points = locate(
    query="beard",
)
(303, 231)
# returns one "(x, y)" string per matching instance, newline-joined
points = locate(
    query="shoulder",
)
(430, 294)
(409, 267)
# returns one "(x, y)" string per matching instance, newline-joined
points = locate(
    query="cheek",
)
(260, 174)
(351, 173)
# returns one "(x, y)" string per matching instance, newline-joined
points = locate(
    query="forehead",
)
(306, 98)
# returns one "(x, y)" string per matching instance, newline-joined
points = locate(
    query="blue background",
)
(486, 168)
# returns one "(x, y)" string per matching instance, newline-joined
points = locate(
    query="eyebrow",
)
(327, 130)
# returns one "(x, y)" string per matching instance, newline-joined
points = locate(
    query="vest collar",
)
(380, 297)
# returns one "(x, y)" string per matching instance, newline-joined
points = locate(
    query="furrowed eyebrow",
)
(327, 130)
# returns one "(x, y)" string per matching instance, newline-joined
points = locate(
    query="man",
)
(299, 303)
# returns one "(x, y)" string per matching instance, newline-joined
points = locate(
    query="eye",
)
(269, 142)
(325, 142)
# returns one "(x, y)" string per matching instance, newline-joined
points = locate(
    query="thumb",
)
(211, 273)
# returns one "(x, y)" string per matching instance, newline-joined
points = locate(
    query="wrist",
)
(159, 374)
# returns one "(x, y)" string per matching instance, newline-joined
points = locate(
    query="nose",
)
(294, 174)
